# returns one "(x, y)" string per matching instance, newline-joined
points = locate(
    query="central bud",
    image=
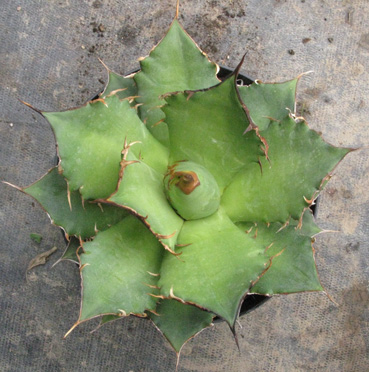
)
(191, 190)
(187, 181)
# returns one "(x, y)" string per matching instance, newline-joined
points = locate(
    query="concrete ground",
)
(49, 57)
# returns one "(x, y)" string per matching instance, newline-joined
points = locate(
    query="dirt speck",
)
(352, 247)
(349, 16)
(97, 4)
(361, 104)
(232, 13)
(99, 29)
(347, 194)
(313, 92)
(331, 191)
(127, 35)
(364, 41)
(327, 99)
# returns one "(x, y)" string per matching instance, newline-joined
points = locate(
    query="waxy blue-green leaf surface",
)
(117, 270)
(179, 322)
(141, 190)
(90, 140)
(269, 101)
(290, 248)
(208, 128)
(81, 219)
(175, 64)
(108, 318)
(70, 252)
(122, 86)
(217, 266)
(275, 190)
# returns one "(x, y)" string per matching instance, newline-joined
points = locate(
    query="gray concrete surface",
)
(49, 57)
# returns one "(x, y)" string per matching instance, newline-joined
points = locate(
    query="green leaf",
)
(293, 266)
(123, 87)
(175, 64)
(273, 191)
(70, 252)
(141, 190)
(91, 138)
(36, 237)
(179, 322)
(207, 127)
(267, 101)
(119, 269)
(216, 268)
(108, 318)
(51, 191)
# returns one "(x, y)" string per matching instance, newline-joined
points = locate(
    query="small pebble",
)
(291, 51)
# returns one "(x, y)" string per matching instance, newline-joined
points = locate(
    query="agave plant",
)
(181, 195)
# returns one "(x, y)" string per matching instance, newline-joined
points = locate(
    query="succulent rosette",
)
(181, 194)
